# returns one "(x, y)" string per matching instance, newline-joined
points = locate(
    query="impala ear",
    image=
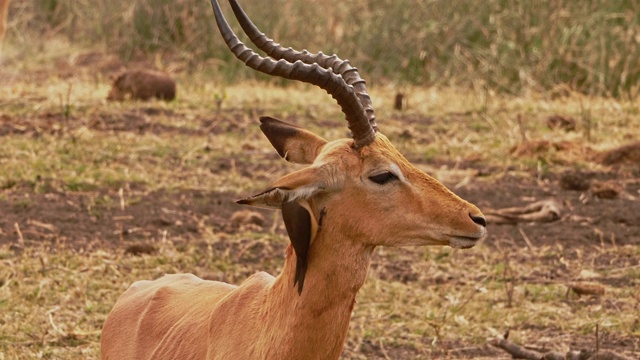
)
(301, 184)
(291, 193)
(293, 143)
(302, 228)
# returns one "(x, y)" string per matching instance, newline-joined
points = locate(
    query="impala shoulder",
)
(177, 280)
(257, 281)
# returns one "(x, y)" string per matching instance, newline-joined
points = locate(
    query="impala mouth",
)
(461, 242)
(466, 242)
(437, 238)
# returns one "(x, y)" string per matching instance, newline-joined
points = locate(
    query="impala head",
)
(374, 195)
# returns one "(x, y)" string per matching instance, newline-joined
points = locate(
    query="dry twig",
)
(520, 352)
(540, 211)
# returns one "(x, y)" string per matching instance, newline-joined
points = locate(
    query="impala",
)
(355, 194)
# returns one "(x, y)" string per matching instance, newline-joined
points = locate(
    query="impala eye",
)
(383, 178)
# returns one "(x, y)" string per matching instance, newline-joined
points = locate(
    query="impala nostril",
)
(480, 220)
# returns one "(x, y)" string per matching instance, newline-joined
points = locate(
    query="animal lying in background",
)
(143, 85)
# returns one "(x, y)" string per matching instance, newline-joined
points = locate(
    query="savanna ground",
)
(86, 183)
(96, 195)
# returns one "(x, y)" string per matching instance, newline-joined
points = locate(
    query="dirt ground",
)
(95, 218)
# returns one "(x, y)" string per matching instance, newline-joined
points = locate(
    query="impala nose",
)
(480, 220)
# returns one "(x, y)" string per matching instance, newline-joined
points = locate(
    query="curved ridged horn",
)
(333, 62)
(334, 84)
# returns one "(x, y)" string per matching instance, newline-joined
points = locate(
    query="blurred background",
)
(504, 45)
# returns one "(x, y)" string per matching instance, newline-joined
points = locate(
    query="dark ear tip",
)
(299, 282)
(243, 201)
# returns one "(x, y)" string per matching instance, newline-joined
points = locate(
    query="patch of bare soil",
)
(142, 120)
(588, 219)
(81, 218)
(110, 218)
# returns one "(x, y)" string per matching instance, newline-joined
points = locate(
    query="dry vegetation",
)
(507, 46)
(96, 195)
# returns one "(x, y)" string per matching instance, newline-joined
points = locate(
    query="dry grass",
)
(54, 302)
(450, 125)
(512, 47)
(417, 303)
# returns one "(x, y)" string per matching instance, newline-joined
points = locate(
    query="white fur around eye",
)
(395, 169)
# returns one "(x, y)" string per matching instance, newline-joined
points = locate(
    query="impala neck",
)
(316, 322)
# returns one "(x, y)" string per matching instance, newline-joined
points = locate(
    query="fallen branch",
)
(520, 352)
(540, 211)
(516, 351)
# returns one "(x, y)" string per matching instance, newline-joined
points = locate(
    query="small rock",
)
(140, 249)
(574, 181)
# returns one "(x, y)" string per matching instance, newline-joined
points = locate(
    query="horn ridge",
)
(333, 62)
(314, 74)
